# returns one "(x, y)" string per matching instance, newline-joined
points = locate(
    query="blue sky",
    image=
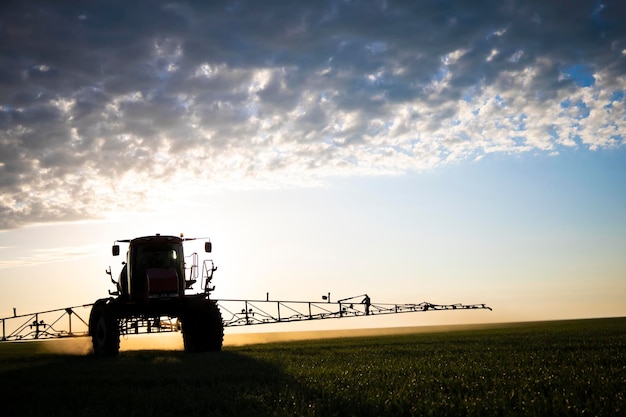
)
(417, 151)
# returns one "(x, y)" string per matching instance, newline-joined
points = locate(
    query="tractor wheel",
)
(104, 330)
(203, 329)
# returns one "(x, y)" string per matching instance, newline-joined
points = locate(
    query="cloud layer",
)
(106, 107)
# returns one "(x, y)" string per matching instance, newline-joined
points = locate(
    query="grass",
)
(552, 368)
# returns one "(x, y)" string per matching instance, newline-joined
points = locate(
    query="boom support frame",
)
(49, 324)
(254, 312)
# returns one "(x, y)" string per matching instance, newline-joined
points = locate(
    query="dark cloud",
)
(98, 98)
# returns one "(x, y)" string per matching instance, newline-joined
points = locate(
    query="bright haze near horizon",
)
(440, 151)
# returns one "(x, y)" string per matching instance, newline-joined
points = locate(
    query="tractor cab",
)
(155, 268)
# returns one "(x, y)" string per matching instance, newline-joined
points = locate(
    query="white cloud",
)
(180, 97)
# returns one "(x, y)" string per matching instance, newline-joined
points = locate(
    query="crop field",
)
(547, 368)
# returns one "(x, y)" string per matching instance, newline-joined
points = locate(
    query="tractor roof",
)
(152, 239)
(157, 238)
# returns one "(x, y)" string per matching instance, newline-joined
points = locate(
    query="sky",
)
(440, 151)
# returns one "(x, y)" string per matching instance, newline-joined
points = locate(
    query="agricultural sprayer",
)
(154, 293)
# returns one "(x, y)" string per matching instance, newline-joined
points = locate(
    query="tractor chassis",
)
(198, 317)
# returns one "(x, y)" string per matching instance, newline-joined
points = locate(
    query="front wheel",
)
(104, 330)
(203, 329)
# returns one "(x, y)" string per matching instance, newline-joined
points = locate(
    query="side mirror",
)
(116, 250)
(208, 246)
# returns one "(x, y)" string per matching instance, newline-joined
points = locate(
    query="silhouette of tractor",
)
(151, 297)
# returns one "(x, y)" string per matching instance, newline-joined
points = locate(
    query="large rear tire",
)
(203, 329)
(104, 330)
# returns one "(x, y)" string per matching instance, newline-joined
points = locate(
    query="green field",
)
(550, 368)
